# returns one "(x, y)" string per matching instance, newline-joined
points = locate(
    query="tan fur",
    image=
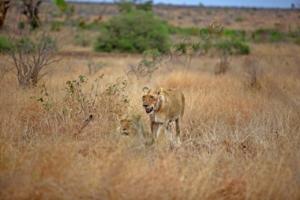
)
(132, 125)
(164, 106)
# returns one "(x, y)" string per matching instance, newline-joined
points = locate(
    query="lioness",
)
(164, 107)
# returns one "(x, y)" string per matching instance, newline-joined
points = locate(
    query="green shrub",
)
(56, 25)
(61, 4)
(81, 40)
(295, 36)
(235, 34)
(133, 32)
(204, 32)
(5, 44)
(21, 25)
(125, 6)
(94, 26)
(145, 6)
(268, 35)
(188, 31)
(236, 47)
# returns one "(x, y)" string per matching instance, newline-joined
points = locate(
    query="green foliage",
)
(205, 32)
(64, 8)
(268, 35)
(81, 40)
(81, 24)
(21, 25)
(5, 44)
(295, 36)
(145, 6)
(133, 32)
(189, 31)
(56, 25)
(236, 47)
(61, 4)
(126, 6)
(235, 34)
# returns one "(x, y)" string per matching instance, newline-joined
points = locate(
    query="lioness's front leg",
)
(154, 129)
(177, 131)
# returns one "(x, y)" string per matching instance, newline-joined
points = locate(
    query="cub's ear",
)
(146, 90)
(160, 90)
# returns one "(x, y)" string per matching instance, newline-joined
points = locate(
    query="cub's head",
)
(125, 126)
(151, 99)
(130, 125)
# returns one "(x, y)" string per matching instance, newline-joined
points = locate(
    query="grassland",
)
(239, 140)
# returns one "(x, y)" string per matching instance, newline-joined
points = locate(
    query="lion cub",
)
(164, 107)
(132, 125)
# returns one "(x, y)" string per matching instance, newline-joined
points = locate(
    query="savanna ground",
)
(239, 141)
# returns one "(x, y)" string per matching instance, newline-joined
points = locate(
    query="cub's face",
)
(149, 101)
(125, 126)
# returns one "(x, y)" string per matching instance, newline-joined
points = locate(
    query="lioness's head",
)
(150, 99)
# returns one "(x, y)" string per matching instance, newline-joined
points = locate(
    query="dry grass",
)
(238, 142)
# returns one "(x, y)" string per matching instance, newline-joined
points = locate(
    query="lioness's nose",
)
(145, 105)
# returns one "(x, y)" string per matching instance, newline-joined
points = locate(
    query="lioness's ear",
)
(146, 90)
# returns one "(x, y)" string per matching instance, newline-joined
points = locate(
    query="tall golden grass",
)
(238, 142)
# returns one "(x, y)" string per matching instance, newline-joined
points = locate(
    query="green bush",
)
(146, 6)
(133, 32)
(21, 25)
(268, 35)
(235, 34)
(81, 39)
(5, 44)
(295, 36)
(188, 31)
(235, 47)
(56, 25)
(126, 6)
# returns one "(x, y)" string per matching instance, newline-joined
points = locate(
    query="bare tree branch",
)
(30, 58)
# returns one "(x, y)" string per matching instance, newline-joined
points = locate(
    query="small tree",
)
(30, 58)
(4, 6)
(31, 11)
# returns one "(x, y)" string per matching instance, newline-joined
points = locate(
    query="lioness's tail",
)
(183, 104)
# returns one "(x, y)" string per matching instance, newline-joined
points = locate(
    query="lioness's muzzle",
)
(148, 109)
